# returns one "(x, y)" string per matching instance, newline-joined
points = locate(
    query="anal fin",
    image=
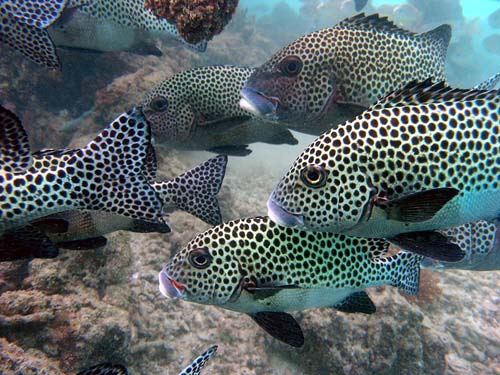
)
(25, 243)
(281, 326)
(430, 244)
(358, 302)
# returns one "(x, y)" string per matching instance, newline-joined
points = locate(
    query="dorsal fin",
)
(372, 22)
(14, 144)
(415, 93)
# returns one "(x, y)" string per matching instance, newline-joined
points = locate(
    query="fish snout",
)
(283, 217)
(169, 287)
(259, 104)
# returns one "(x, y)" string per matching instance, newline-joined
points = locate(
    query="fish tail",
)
(199, 362)
(440, 40)
(195, 191)
(405, 271)
(106, 175)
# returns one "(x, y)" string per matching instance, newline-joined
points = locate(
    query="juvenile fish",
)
(106, 175)
(194, 368)
(424, 158)
(264, 270)
(333, 74)
(199, 109)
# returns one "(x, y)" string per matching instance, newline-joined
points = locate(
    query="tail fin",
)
(199, 362)
(489, 84)
(195, 191)
(405, 271)
(107, 174)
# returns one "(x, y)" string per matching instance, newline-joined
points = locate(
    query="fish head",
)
(294, 85)
(206, 271)
(325, 189)
(169, 111)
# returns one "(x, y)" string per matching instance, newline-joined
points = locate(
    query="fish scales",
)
(427, 139)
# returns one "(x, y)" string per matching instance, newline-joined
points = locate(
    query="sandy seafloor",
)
(59, 316)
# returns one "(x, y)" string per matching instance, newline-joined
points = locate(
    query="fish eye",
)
(291, 66)
(314, 176)
(200, 258)
(159, 104)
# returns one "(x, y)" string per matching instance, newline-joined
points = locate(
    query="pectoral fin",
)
(358, 302)
(417, 207)
(281, 326)
(86, 244)
(429, 244)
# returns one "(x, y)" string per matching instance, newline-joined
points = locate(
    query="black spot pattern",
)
(259, 251)
(356, 61)
(93, 177)
(14, 144)
(200, 361)
(474, 238)
(443, 138)
(195, 191)
(36, 13)
(196, 97)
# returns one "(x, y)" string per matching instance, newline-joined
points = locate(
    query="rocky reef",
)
(85, 307)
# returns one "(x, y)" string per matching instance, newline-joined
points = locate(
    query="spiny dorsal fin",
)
(372, 22)
(14, 144)
(426, 92)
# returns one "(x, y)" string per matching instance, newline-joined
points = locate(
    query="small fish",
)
(194, 191)
(423, 158)
(333, 74)
(198, 109)
(194, 368)
(92, 178)
(82, 24)
(481, 243)
(262, 269)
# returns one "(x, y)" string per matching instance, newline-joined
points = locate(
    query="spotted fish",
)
(479, 241)
(333, 74)
(264, 270)
(426, 157)
(198, 109)
(194, 368)
(93, 177)
(32, 27)
(194, 191)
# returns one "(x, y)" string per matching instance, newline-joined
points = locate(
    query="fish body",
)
(426, 157)
(194, 368)
(199, 109)
(335, 73)
(256, 266)
(479, 241)
(91, 178)
(194, 191)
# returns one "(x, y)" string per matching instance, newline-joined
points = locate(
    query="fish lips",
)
(259, 104)
(283, 217)
(169, 287)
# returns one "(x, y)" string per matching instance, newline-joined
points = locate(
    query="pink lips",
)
(281, 216)
(169, 287)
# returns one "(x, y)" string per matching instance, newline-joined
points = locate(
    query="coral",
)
(196, 20)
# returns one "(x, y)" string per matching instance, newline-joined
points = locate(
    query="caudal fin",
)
(107, 174)
(199, 362)
(195, 191)
(405, 271)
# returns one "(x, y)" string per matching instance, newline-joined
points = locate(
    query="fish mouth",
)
(169, 287)
(259, 104)
(283, 217)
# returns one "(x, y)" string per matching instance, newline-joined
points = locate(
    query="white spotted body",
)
(89, 178)
(383, 173)
(303, 270)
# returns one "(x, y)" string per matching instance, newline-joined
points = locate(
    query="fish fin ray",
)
(281, 326)
(358, 302)
(14, 143)
(105, 369)
(84, 244)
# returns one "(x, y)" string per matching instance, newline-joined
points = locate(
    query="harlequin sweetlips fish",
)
(425, 157)
(481, 243)
(194, 191)
(106, 175)
(333, 74)
(198, 109)
(264, 270)
(35, 27)
(195, 368)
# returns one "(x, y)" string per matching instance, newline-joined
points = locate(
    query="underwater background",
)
(60, 315)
